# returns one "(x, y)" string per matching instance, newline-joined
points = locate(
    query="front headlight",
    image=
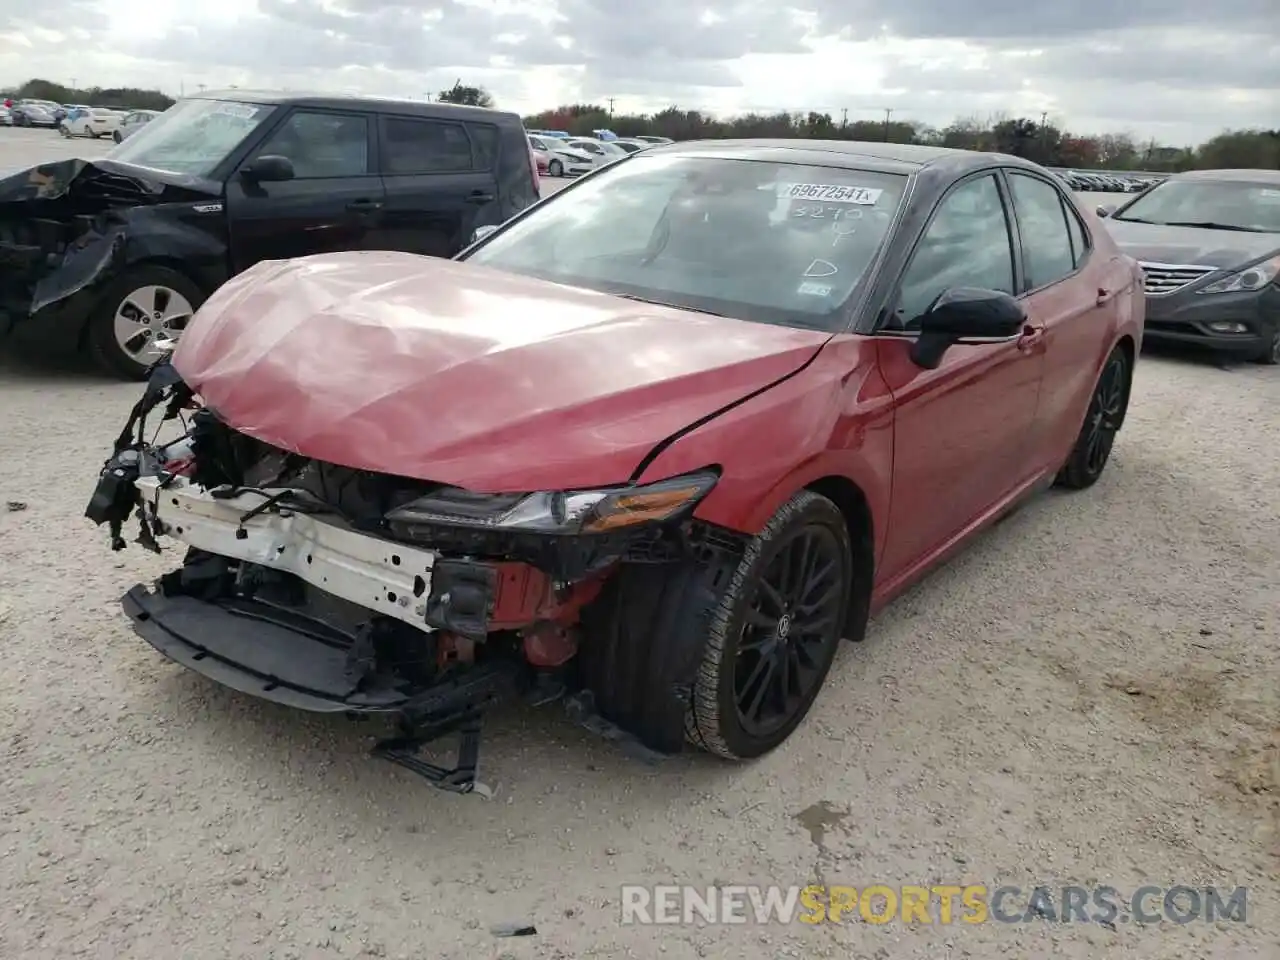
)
(1245, 281)
(555, 512)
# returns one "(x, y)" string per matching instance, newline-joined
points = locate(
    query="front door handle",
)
(480, 196)
(1104, 296)
(1031, 336)
(364, 206)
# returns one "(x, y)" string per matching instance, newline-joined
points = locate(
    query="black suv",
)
(114, 255)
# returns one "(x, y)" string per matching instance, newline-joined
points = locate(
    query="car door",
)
(961, 431)
(332, 203)
(1070, 298)
(440, 183)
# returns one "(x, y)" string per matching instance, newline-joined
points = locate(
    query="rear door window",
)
(425, 146)
(1047, 255)
(484, 143)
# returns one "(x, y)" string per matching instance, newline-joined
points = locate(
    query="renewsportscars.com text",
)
(941, 904)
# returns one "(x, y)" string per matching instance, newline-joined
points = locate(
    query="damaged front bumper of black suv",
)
(341, 591)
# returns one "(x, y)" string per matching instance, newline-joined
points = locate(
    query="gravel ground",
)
(1088, 695)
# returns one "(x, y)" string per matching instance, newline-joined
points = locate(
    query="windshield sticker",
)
(829, 193)
(241, 111)
(821, 268)
(811, 289)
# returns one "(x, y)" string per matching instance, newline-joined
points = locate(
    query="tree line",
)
(1041, 141)
(131, 98)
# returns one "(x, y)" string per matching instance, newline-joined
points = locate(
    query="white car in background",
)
(601, 152)
(94, 122)
(132, 123)
(562, 160)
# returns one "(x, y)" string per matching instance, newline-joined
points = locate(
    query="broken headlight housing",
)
(563, 513)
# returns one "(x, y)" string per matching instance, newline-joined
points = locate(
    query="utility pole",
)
(73, 84)
(888, 112)
(844, 117)
(611, 108)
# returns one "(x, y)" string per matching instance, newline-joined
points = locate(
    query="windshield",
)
(1232, 204)
(769, 242)
(193, 136)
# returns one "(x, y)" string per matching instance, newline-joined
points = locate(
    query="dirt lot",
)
(1089, 695)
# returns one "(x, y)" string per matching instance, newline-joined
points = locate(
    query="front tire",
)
(555, 168)
(65, 131)
(145, 304)
(1270, 355)
(776, 632)
(1102, 421)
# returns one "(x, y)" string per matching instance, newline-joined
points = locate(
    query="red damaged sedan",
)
(652, 447)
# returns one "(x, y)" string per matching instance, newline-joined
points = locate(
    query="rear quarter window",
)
(484, 143)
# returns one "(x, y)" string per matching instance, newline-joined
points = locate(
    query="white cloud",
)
(1168, 69)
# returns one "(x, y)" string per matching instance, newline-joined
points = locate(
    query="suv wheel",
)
(147, 304)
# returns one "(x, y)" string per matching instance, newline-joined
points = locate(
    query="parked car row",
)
(76, 119)
(567, 156)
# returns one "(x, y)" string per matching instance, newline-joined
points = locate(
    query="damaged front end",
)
(338, 590)
(67, 228)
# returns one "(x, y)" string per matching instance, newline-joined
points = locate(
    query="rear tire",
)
(1102, 420)
(116, 137)
(105, 346)
(65, 131)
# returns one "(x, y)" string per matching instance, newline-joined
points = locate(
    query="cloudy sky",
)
(1174, 70)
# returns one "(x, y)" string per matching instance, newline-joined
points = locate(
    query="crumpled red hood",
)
(464, 375)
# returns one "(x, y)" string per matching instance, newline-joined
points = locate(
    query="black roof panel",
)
(335, 101)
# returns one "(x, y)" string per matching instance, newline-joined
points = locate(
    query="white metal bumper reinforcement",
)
(383, 576)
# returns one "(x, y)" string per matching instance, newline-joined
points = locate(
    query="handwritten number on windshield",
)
(823, 211)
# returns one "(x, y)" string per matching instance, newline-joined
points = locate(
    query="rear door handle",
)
(364, 206)
(1031, 336)
(480, 196)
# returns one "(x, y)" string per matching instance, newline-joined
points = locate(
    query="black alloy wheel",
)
(791, 627)
(776, 632)
(1107, 408)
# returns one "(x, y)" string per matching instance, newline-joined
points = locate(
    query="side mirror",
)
(1106, 210)
(268, 169)
(965, 314)
(481, 232)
